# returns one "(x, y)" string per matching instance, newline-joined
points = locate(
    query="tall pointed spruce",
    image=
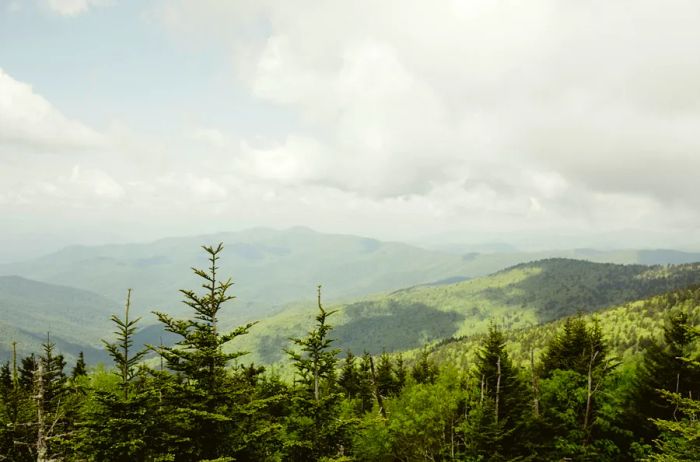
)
(124, 358)
(120, 425)
(315, 426)
(206, 402)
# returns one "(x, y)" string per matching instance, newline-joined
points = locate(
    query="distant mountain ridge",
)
(272, 268)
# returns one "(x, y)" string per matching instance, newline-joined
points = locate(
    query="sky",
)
(131, 120)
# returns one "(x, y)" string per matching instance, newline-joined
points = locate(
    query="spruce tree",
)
(207, 403)
(400, 373)
(366, 383)
(17, 414)
(664, 371)
(120, 426)
(349, 380)
(387, 384)
(503, 398)
(424, 370)
(679, 438)
(80, 368)
(53, 406)
(315, 425)
(26, 370)
(573, 348)
(575, 370)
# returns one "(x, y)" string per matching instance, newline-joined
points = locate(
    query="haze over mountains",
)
(72, 292)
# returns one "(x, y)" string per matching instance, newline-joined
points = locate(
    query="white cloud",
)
(409, 117)
(408, 95)
(211, 136)
(95, 182)
(29, 120)
(74, 7)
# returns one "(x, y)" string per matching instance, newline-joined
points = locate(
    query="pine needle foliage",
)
(316, 431)
(199, 355)
(208, 404)
(121, 349)
(315, 362)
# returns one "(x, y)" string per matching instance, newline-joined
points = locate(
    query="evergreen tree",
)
(120, 426)
(17, 415)
(387, 384)
(575, 369)
(80, 368)
(27, 367)
(400, 373)
(679, 438)
(366, 383)
(503, 398)
(315, 427)
(53, 405)
(425, 370)
(573, 348)
(5, 380)
(54, 376)
(349, 380)
(664, 371)
(208, 402)
(124, 359)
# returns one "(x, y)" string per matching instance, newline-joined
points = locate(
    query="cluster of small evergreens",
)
(199, 401)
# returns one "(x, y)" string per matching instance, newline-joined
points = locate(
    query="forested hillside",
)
(76, 318)
(521, 296)
(628, 329)
(618, 385)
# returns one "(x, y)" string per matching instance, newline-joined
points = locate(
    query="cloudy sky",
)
(130, 120)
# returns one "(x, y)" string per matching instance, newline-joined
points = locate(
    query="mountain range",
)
(390, 295)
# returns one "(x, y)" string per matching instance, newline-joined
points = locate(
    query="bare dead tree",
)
(375, 387)
(498, 386)
(590, 391)
(483, 386)
(41, 444)
(535, 385)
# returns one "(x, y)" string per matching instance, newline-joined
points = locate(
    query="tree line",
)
(200, 402)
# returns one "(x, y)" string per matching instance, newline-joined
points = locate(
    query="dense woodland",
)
(579, 398)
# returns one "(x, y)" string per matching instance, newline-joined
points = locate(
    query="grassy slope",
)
(627, 328)
(522, 296)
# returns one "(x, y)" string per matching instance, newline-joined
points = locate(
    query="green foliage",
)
(76, 318)
(424, 370)
(577, 348)
(664, 370)
(315, 428)
(207, 404)
(80, 368)
(119, 350)
(551, 392)
(517, 298)
(679, 439)
(119, 425)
